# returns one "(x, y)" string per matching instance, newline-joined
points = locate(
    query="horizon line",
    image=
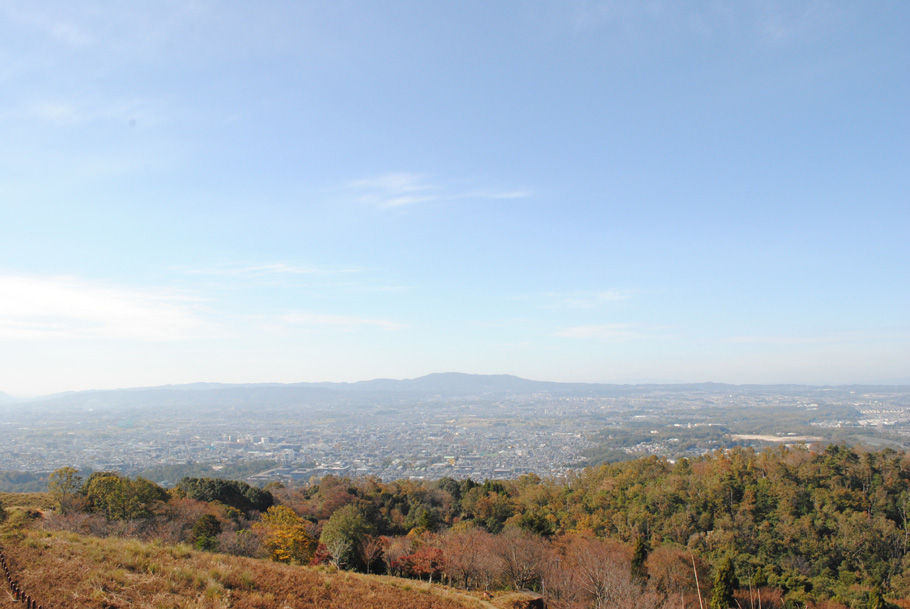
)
(673, 383)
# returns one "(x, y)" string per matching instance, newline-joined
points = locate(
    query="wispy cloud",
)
(53, 111)
(268, 269)
(607, 332)
(819, 339)
(73, 112)
(780, 22)
(49, 22)
(596, 13)
(768, 22)
(346, 323)
(396, 189)
(72, 308)
(401, 189)
(493, 195)
(586, 299)
(68, 33)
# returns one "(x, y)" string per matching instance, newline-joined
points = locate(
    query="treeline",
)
(169, 474)
(794, 525)
(166, 474)
(22, 482)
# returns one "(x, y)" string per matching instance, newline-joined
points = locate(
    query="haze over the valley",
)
(454, 425)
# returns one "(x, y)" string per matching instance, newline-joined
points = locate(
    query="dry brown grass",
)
(67, 570)
(38, 501)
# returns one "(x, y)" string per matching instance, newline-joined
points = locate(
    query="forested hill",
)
(806, 527)
(814, 525)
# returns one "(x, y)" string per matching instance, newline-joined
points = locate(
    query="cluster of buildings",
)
(548, 435)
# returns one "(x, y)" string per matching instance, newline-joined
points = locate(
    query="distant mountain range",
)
(429, 387)
(281, 395)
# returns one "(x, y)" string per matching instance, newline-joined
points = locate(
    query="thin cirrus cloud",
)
(402, 189)
(769, 22)
(53, 112)
(268, 269)
(88, 109)
(821, 339)
(42, 308)
(50, 111)
(586, 299)
(347, 323)
(605, 332)
(49, 23)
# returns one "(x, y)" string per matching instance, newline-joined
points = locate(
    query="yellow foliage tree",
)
(286, 535)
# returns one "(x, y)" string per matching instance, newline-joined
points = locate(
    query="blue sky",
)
(587, 191)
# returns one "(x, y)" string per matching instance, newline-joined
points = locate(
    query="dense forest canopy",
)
(811, 526)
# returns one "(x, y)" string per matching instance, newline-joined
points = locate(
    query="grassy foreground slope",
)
(62, 569)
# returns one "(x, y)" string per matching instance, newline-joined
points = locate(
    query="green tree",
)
(64, 485)
(724, 585)
(120, 498)
(639, 557)
(234, 493)
(343, 535)
(876, 600)
(205, 532)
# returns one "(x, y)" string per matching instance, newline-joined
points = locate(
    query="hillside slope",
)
(66, 570)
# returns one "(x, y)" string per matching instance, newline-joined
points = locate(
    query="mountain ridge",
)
(440, 384)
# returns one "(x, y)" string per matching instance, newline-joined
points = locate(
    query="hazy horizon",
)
(631, 382)
(604, 192)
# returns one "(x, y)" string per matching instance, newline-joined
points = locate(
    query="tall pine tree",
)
(639, 556)
(724, 585)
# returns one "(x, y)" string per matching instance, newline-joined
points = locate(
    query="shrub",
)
(205, 532)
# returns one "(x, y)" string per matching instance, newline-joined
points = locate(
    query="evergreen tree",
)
(724, 584)
(205, 532)
(876, 600)
(639, 556)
